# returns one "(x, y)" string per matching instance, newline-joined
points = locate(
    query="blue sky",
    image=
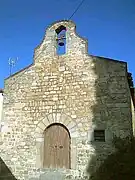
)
(109, 27)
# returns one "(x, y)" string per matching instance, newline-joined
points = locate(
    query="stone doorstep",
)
(54, 174)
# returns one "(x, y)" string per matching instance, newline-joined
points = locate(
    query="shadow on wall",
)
(115, 158)
(119, 165)
(5, 173)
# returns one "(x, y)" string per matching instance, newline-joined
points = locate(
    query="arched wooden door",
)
(56, 147)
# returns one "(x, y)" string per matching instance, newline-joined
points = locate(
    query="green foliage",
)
(5, 173)
(119, 165)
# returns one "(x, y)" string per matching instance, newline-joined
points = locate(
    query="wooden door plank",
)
(57, 147)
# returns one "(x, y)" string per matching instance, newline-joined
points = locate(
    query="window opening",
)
(99, 135)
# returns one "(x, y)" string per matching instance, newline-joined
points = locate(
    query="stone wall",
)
(79, 91)
(1, 104)
(133, 115)
(1, 110)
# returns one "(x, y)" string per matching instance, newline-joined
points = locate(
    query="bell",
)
(61, 40)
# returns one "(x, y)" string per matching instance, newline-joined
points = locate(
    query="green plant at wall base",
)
(119, 165)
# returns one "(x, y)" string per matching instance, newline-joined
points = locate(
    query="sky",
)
(109, 26)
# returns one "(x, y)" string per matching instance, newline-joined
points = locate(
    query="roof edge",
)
(19, 71)
(109, 59)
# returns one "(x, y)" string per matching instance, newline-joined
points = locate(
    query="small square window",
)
(99, 135)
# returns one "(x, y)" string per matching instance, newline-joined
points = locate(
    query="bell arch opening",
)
(57, 147)
(61, 40)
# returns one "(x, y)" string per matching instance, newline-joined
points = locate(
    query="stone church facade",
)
(63, 110)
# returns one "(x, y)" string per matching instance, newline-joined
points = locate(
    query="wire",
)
(41, 52)
(77, 9)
